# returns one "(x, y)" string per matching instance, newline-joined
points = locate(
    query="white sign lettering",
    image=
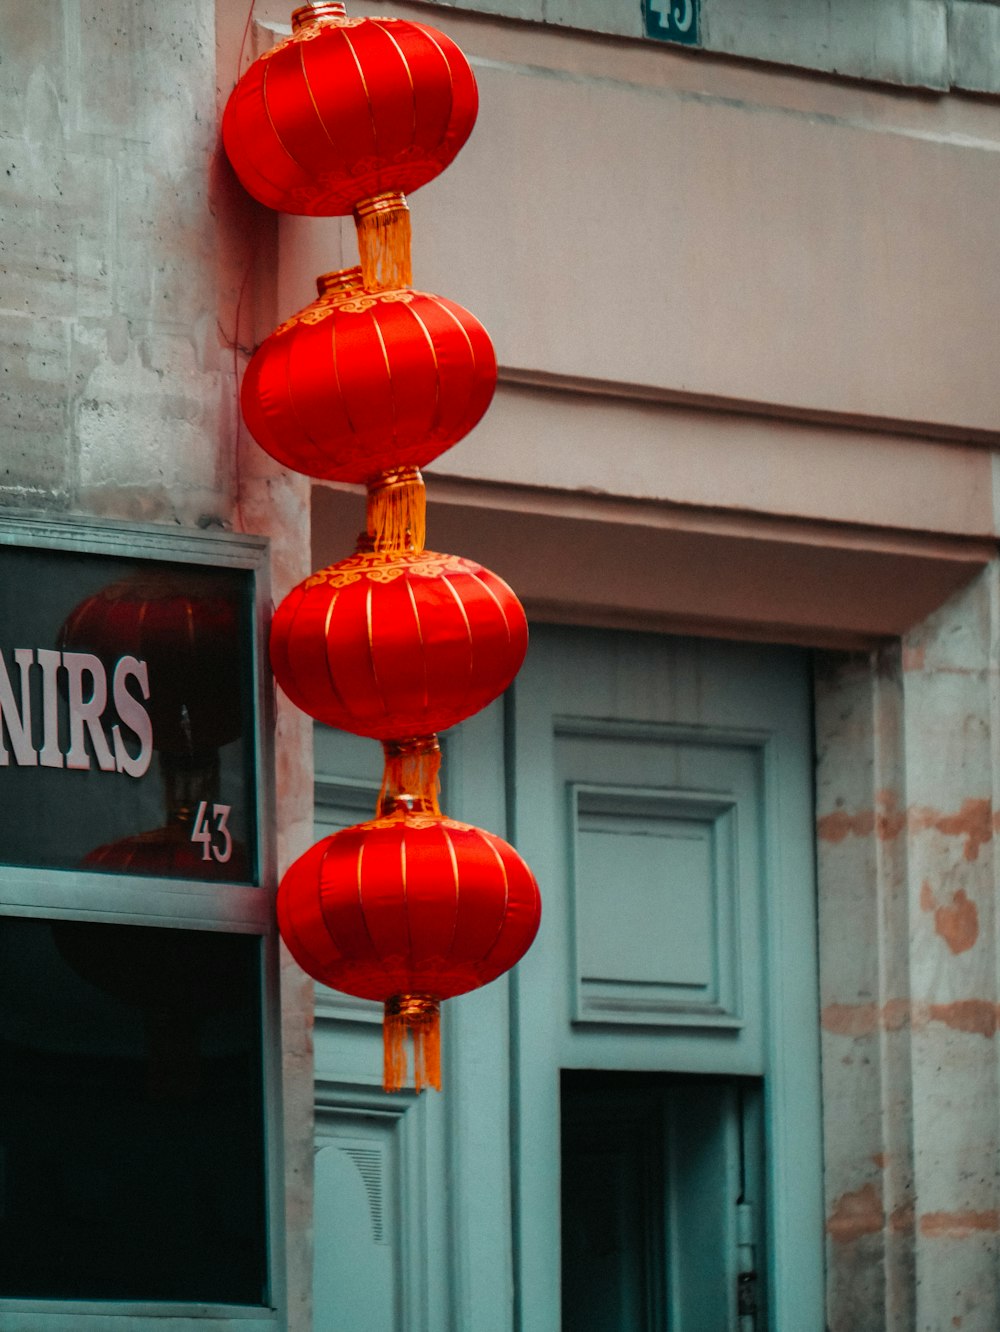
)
(87, 698)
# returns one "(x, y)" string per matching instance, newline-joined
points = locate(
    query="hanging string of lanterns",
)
(367, 384)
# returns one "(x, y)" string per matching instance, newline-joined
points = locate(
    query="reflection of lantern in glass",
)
(185, 628)
(398, 645)
(359, 382)
(345, 116)
(409, 909)
(171, 852)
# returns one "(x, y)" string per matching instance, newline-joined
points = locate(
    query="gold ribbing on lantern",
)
(383, 224)
(396, 516)
(410, 778)
(420, 1015)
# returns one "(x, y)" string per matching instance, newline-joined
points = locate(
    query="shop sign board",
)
(127, 715)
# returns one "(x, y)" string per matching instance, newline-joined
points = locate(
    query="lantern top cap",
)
(318, 9)
(341, 279)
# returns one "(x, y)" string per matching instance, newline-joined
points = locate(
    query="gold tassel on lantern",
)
(419, 1015)
(411, 782)
(397, 511)
(383, 224)
(410, 778)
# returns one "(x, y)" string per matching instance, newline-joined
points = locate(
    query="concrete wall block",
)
(954, 641)
(521, 9)
(165, 245)
(952, 768)
(596, 15)
(957, 1288)
(34, 434)
(930, 1015)
(955, 1124)
(894, 41)
(956, 1248)
(974, 45)
(33, 80)
(144, 71)
(55, 229)
(864, 911)
(145, 424)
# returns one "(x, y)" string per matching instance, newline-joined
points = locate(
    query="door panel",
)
(662, 910)
(661, 790)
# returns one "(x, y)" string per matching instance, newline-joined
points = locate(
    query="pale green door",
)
(628, 1140)
(662, 790)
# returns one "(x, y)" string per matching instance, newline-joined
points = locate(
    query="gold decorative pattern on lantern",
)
(347, 302)
(311, 25)
(386, 568)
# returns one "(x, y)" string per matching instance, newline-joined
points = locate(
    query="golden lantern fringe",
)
(397, 511)
(410, 779)
(420, 1015)
(383, 224)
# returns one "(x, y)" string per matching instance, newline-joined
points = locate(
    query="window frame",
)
(214, 905)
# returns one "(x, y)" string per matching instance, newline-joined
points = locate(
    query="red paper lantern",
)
(359, 382)
(410, 908)
(185, 629)
(346, 109)
(394, 645)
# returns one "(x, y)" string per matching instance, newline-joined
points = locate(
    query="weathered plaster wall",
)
(927, 43)
(129, 256)
(908, 748)
(115, 375)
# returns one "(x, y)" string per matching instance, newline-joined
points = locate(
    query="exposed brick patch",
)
(855, 1214)
(974, 821)
(958, 923)
(850, 1019)
(838, 825)
(959, 1225)
(978, 1016)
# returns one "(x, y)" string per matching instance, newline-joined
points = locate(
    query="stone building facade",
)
(744, 301)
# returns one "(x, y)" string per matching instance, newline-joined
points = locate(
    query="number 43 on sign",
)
(216, 842)
(673, 20)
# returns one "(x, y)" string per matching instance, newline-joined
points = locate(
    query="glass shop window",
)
(127, 736)
(131, 1122)
(138, 1004)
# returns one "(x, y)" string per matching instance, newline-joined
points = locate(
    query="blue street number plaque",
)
(673, 21)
